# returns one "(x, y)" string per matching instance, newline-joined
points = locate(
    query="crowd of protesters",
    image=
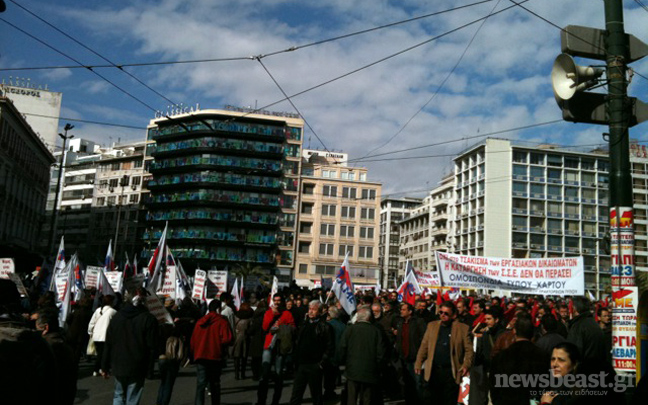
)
(385, 350)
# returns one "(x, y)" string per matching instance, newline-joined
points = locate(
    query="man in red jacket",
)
(211, 333)
(277, 325)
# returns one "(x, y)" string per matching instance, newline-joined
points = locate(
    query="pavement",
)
(97, 390)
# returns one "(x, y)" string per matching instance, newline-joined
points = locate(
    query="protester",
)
(173, 354)
(242, 321)
(486, 338)
(78, 322)
(410, 331)
(421, 311)
(463, 315)
(257, 339)
(362, 353)
(332, 368)
(274, 349)
(314, 349)
(208, 344)
(549, 333)
(130, 349)
(447, 352)
(605, 322)
(521, 358)
(98, 327)
(67, 366)
(586, 334)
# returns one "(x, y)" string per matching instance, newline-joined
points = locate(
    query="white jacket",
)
(99, 323)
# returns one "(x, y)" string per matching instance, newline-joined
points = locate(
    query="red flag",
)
(439, 298)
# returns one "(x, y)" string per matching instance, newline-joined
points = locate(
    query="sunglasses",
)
(446, 313)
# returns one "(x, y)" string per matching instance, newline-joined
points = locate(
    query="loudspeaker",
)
(567, 77)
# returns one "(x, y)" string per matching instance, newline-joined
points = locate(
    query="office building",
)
(338, 215)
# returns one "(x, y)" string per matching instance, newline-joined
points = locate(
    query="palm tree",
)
(249, 271)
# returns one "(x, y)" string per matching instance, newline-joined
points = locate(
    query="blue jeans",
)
(208, 372)
(128, 390)
(270, 359)
(168, 373)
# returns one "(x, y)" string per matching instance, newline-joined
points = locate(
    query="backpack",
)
(175, 349)
(285, 335)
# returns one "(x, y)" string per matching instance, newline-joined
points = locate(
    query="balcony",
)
(521, 245)
(538, 213)
(537, 229)
(520, 228)
(520, 211)
(553, 231)
(538, 247)
(538, 179)
(572, 249)
(520, 194)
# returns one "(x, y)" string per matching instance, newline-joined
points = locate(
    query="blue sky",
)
(502, 81)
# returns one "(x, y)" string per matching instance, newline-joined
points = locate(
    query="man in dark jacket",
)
(314, 348)
(211, 334)
(549, 333)
(130, 349)
(486, 338)
(362, 350)
(521, 358)
(67, 366)
(586, 335)
(410, 331)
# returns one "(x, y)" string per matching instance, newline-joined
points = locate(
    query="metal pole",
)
(67, 128)
(124, 181)
(618, 107)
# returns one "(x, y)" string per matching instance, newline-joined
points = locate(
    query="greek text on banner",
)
(544, 276)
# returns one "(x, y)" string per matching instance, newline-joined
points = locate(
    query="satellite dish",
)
(567, 77)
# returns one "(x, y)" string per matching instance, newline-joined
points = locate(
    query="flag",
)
(273, 290)
(439, 297)
(408, 268)
(454, 294)
(67, 297)
(135, 265)
(79, 283)
(58, 265)
(109, 263)
(236, 294)
(241, 293)
(343, 287)
(156, 258)
(180, 292)
(590, 296)
(409, 288)
(128, 270)
(103, 288)
(377, 288)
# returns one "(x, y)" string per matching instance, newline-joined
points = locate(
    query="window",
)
(326, 249)
(537, 189)
(113, 183)
(554, 224)
(555, 191)
(571, 176)
(111, 200)
(138, 163)
(303, 268)
(330, 270)
(329, 191)
(572, 163)
(554, 174)
(305, 227)
(554, 160)
(554, 208)
(304, 247)
(519, 170)
(136, 180)
(327, 229)
(348, 212)
(537, 159)
(101, 201)
(520, 157)
(366, 233)
(365, 252)
(344, 249)
(363, 176)
(347, 231)
(309, 189)
(349, 192)
(368, 194)
(133, 199)
(519, 187)
(519, 222)
(367, 213)
(328, 210)
(114, 166)
(571, 192)
(537, 171)
(307, 208)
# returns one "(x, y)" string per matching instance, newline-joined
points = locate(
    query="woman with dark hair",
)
(242, 322)
(565, 359)
(257, 336)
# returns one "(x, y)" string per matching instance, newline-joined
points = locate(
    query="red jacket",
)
(270, 320)
(210, 334)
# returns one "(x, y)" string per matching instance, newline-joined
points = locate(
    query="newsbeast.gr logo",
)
(573, 382)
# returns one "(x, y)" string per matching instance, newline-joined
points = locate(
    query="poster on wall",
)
(625, 302)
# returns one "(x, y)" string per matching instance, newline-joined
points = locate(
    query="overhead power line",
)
(91, 50)
(239, 58)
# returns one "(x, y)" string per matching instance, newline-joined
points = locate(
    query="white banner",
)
(19, 284)
(199, 285)
(624, 329)
(169, 286)
(428, 278)
(92, 275)
(546, 276)
(218, 279)
(115, 278)
(6, 267)
(156, 308)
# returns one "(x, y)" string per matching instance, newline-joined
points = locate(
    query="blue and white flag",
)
(343, 287)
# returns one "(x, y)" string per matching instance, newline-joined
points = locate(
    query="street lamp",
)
(65, 137)
(123, 183)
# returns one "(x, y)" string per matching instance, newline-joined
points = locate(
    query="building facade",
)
(521, 202)
(392, 212)
(227, 182)
(25, 164)
(339, 214)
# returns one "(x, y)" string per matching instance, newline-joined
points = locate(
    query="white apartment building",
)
(392, 212)
(519, 202)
